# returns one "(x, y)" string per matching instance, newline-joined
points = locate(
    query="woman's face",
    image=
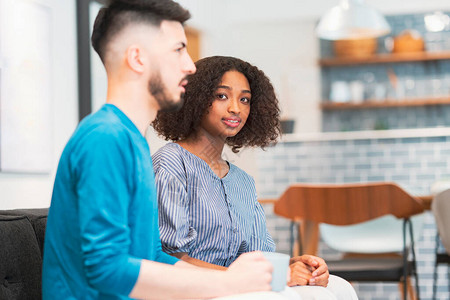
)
(230, 108)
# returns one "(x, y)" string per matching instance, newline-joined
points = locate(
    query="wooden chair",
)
(350, 204)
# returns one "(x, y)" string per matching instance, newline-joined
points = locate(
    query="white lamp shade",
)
(352, 19)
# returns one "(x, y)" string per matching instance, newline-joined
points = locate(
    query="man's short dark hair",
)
(112, 18)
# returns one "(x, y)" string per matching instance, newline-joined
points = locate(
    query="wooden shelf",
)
(384, 58)
(328, 105)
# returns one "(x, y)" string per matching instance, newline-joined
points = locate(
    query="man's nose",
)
(189, 66)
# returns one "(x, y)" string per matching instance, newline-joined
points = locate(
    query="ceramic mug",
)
(280, 263)
(340, 91)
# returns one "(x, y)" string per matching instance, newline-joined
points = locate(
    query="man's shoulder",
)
(103, 120)
(102, 126)
(99, 135)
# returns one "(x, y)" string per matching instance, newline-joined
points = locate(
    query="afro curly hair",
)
(263, 123)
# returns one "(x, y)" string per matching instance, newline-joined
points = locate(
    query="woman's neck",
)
(209, 149)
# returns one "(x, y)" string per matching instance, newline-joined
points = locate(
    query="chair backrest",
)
(381, 235)
(346, 204)
(441, 210)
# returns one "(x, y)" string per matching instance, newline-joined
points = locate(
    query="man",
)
(102, 239)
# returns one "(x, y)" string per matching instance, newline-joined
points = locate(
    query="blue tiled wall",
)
(386, 118)
(413, 163)
(428, 79)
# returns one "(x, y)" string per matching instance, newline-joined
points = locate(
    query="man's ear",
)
(135, 58)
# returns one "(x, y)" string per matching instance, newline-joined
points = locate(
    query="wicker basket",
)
(355, 48)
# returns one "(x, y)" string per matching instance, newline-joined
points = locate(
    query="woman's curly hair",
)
(263, 123)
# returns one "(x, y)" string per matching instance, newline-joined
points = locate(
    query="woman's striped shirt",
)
(209, 218)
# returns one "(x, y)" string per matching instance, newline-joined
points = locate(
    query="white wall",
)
(27, 190)
(209, 13)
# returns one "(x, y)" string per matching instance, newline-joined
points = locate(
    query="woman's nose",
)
(233, 106)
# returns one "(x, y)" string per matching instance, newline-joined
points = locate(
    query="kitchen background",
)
(414, 163)
(408, 147)
(421, 79)
(409, 98)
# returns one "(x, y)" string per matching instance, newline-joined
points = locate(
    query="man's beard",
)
(158, 90)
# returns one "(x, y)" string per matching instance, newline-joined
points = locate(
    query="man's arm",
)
(101, 170)
(197, 262)
(250, 272)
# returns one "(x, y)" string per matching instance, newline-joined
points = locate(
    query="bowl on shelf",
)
(355, 48)
(408, 41)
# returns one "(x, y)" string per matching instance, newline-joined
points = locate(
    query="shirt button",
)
(234, 230)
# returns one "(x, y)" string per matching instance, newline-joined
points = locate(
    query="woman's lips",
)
(232, 122)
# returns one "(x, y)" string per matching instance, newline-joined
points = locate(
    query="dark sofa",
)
(21, 243)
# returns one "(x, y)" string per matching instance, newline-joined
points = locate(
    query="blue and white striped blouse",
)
(210, 218)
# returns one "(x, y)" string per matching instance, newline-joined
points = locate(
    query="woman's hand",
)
(300, 273)
(308, 269)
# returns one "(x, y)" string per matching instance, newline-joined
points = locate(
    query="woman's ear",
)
(135, 58)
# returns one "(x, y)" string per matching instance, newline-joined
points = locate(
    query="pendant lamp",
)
(352, 19)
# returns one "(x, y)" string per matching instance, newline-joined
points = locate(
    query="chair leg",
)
(401, 287)
(411, 291)
(416, 279)
(435, 281)
(291, 238)
(436, 267)
(448, 278)
(405, 260)
(414, 260)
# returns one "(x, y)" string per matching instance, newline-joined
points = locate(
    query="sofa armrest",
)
(37, 217)
(20, 259)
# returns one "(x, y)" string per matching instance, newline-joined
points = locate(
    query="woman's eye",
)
(221, 96)
(245, 100)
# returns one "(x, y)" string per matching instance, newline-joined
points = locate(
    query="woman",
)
(208, 209)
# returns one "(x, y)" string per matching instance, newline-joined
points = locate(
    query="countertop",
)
(368, 134)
